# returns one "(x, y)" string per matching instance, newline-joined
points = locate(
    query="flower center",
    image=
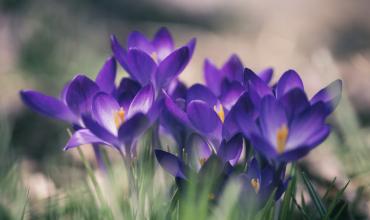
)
(119, 117)
(154, 56)
(220, 112)
(255, 183)
(202, 161)
(281, 138)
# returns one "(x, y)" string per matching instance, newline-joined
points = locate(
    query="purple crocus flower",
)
(155, 61)
(115, 125)
(75, 98)
(229, 79)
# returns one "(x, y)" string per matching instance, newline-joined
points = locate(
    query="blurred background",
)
(43, 43)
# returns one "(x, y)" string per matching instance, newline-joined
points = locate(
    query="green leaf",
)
(315, 196)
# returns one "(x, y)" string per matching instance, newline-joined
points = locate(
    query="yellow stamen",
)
(220, 112)
(119, 117)
(202, 161)
(154, 56)
(281, 138)
(255, 183)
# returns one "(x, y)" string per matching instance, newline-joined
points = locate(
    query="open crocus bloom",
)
(154, 61)
(76, 97)
(114, 125)
(285, 137)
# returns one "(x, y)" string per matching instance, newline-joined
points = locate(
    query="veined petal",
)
(81, 137)
(132, 128)
(262, 146)
(295, 101)
(107, 75)
(139, 41)
(229, 97)
(47, 105)
(256, 86)
(80, 93)
(171, 164)
(142, 102)
(266, 74)
(163, 43)
(272, 118)
(329, 95)
(100, 131)
(119, 53)
(176, 111)
(171, 67)
(126, 91)
(230, 151)
(233, 68)
(141, 65)
(104, 110)
(200, 92)
(288, 81)
(203, 117)
(213, 77)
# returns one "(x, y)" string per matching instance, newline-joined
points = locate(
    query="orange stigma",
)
(119, 117)
(255, 183)
(281, 138)
(220, 112)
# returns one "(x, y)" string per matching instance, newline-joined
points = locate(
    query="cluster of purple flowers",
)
(237, 119)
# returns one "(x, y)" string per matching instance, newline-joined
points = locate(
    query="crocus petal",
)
(172, 66)
(171, 164)
(80, 93)
(141, 65)
(104, 109)
(200, 92)
(163, 43)
(229, 97)
(294, 102)
(139, 41)
(288, 81)
(199, 148)
(126, 91)
(256, 87)
(191, 45)
(132, 128)
(254, 170)
(272, 118)
(231, 150)
(176, 111)
(119, 53)
(262, 146)
(100, 131)
(203, 117)
(244, 115)
(63, 93)
(81, 137)
(233, 68)
(142, 102)
(266, 74)
(177, 89)
(329, 95)
(293, 155)
(107, 75)
(213, 77)
(47, 105)
(306, 126)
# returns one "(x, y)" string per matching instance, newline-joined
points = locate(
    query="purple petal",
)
(142, 102)
(80, 94)
(305, 128)
(243, 113)
(191, 45)
(177, 89)
(266, 75)
(141, 65)
(203, 117)
(230, 97)
(172, 66)
(272, 118)
(139, 41)
(295, 154)
(233, 68)
(126, 91)
(171, 164)
(163, 43)
(47, 105)
(213, 77)
(132, 128)
(119, 53)
(107, 76)
(230, 151)
(294, 102)
(329, 95)
(100, 131)
(200, 92)
(263, 146)
(63, 93)
(104, 109)
(81, 137)
(288, 81)
(256, 87)
(254, 170)
(176, 111)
